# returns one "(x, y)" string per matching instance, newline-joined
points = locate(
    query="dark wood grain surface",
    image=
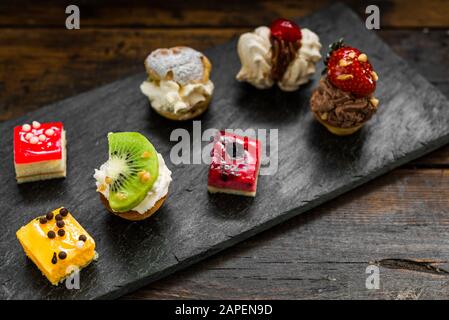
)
(399, 220)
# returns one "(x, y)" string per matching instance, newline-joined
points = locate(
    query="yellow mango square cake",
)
(57, 244)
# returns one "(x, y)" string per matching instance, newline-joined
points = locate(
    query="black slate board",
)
(314, 166)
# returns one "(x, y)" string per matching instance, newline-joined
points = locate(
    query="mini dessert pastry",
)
(178, 83)
(57, 244)
(284, 54)
(344, 101)
(39, 151)
(235, 165)
(133, 183)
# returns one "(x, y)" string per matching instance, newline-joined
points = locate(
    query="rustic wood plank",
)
(203, 13)
(324, 254)
(47, 65)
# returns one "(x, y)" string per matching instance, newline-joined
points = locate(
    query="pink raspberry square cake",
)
(39, 151)
(235, 165)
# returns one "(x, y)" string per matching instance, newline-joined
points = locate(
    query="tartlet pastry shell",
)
(194, 112)
(134, 215)
(336, 130)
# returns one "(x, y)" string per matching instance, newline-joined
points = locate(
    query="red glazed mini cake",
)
(39, 151)
(235, 165)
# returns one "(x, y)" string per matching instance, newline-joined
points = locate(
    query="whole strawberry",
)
(286, 30)
(349, 70)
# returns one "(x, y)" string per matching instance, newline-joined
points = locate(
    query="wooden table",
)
(399, 222)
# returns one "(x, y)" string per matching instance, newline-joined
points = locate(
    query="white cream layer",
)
(157, 192)
(254, 49)
(168, 95)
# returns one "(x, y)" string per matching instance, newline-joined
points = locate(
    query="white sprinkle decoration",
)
(26, 127)
(29, 135)
(36, 125)
(79, 244)
(49, 132)
(42, 137)
(34, 140)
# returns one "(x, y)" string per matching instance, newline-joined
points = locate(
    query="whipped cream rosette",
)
(284, 54)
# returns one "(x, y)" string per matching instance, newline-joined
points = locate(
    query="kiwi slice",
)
(133, 168)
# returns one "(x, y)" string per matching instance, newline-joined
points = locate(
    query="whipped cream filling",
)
(254, 49)
(157, 192)
(168, 95)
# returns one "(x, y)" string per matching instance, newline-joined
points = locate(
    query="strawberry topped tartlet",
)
(344, 101)
(282, 53)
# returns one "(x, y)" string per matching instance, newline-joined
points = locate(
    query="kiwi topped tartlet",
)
(134, 182)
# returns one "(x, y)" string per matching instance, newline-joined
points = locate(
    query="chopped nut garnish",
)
(345, 76)
(374, 102)
(144, 176)
(146, 154)
(363, 57)
(323, 116)
(344, 63)
(375, 76)
(108, 180)
(121, 196)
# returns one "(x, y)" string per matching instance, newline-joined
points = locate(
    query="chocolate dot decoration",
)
(60, 224)
(58, 217)
(51, 234)
(62, 255)
(61, 232)
(43, 220)
(82, 238)
(54, 259)
(63, 212)
(49, 215)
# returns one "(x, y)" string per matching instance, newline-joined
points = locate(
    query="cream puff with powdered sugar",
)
(178, 84)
